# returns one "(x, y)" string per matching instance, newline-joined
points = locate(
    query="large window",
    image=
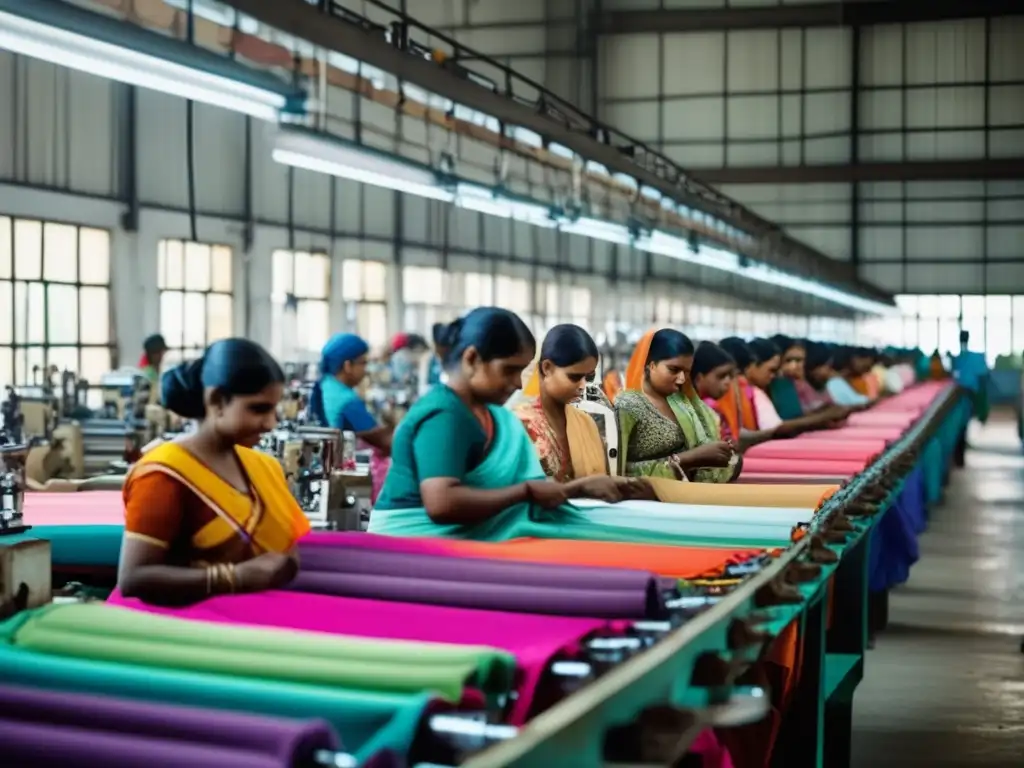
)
(424, 294)
(301, 310)
(195, 286)
(933, 322)
(364, 289)
(54, 300)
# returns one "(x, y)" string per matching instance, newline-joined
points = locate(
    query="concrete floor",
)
(945, 685)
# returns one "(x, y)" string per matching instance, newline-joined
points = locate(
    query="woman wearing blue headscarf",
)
(335, 402)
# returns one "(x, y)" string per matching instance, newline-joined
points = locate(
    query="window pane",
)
(928, 335)
(314, 320)
(195, 320)
(197, 267)
(62, 314)
(94, 256)
(28, 365)
(372, 324)
(973, 307)
(219, 320)
(949, 307)
(220, 265)
(28, 249)
(949, 336)
(375, 281)
(997, 339)
(63, 358)
(95, 363)
(6, 366)
(282, 276)
(29, 322)
(172, 317)
(312, 275)
(171, 258)
(94, 304)
(6, 303)
(5, 249)
(998, 306)
(60, 253)
(352, 280)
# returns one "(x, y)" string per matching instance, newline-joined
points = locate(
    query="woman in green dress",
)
(666, 429)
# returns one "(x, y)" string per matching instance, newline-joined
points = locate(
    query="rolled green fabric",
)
(107, 633)
(367, 722)
(82, 545)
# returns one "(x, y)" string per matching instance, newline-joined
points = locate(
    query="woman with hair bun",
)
(207, 514)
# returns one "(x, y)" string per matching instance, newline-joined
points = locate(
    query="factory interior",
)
(584, 383)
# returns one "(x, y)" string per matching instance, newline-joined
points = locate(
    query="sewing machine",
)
(320, 467)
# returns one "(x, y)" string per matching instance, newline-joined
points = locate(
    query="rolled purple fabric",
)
(642, 602)
(362, 553)
(257, 740)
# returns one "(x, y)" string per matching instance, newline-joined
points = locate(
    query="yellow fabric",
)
(532, 388)
(586, 449)
(717, 494)
(274, 525)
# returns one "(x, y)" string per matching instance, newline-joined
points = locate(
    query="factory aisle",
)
(945, 685)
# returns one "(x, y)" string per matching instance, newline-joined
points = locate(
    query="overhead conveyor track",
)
(519, 101)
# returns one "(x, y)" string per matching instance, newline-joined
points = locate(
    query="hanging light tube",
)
(483, 200)
(598, 229)
(45, 30)
(300, 148)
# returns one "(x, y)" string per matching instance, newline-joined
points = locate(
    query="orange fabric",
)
(748, 417)
(162, 511)
(785, 652)
(612, 385)
(872, 385)
(638, 362)
(860, 384)
(674, 562)
(729, 409)
(532, 388)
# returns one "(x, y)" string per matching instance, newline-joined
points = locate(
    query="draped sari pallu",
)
(267, 520)
(736, 407)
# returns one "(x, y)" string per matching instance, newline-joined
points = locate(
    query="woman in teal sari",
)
(464, 467)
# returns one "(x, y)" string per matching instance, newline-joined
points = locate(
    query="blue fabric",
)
(340, 349)
(842, 393)
(894, 538)
(970, 369)
(435, 371)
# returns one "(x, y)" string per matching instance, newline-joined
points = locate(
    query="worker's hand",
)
(546, 494)
(600, 487)
(716, 454)
(270, 570)
(636, 488)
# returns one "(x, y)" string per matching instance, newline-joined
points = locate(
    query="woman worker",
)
(335, 402)
(666, 429)
(206, 514)
(567, 440)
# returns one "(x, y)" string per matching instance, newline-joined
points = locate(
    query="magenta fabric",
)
(534, 640)
(831, 468)
(712, 752)
(833, 450)
(859, 434)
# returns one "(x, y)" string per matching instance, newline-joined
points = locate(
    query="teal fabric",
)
(92, 546)
(511, 460)
(933, 464)
(785, 398)
(366, 721)
(343, 407)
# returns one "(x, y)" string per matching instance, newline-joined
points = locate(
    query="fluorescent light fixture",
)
(314, 152)
(598, 230)
(483, 200)
(31, 34)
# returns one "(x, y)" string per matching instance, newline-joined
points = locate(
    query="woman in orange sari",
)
(208, 514)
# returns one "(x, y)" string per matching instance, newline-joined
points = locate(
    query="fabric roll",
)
(111, 633)
(832, 450)
(875, 418)
(642, 602)
(263, 740)
(768, 478)
(533, 640)
(83, 508)
(731, 495)
(365, 553)
(674, 562)
(846, 434)
(367, 722)
(811, 467)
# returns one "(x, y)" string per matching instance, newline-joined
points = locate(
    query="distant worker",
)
(154, 348)
(970, 369)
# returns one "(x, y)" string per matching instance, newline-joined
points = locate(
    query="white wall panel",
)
(946, 51)
(952, 107)
(1006, 242)
(692, 62)
(753, 60)
(834, 241)
(629, 66)
(945, 278)
(1006, 56)
(1009, 143)
(881, 59)
(58, 128)
(827, 112)
(942, 243)
(699, 118)
(881, 109)
(881, 243)
(753, 117)
(1007, 104)
(828, 58)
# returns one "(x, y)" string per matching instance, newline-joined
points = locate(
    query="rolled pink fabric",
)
(534, 640)
(854, 433)
(833, 450)
(823, 466)
(82, 508)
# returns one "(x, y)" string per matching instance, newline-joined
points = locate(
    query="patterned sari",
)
(175, 502)
(581, 454)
